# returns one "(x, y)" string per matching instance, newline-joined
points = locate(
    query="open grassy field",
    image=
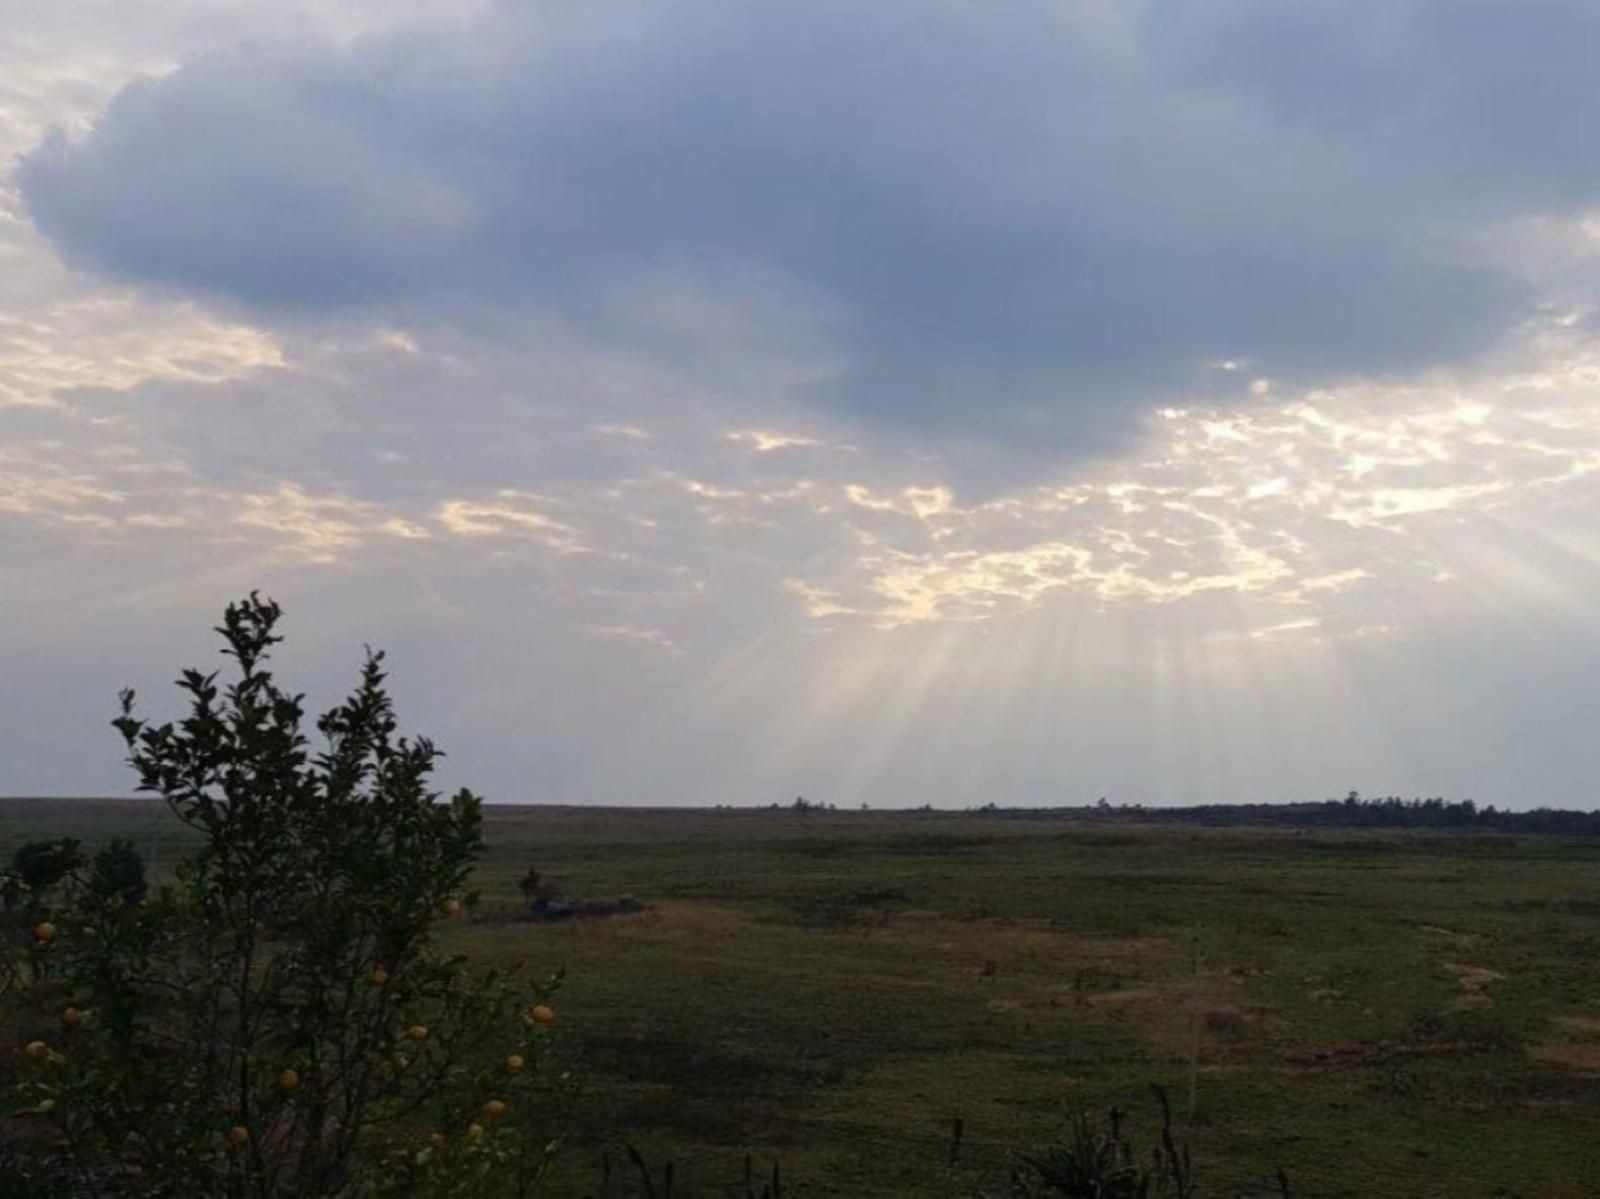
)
(1377, 1013)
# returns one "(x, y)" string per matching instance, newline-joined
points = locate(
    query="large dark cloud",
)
(1028, 217)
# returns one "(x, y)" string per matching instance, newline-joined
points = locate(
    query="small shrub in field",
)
(536, 888)
(279, 1020)
(1097, 1161)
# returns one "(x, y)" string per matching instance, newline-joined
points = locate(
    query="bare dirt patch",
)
(678, 921)
(1573, 1056)
(1575, 1044)
(1170, 1016)
(1473, 980)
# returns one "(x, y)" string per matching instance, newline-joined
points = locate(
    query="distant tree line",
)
(1353, 811)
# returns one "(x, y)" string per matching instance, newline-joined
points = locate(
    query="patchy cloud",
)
(736, 617)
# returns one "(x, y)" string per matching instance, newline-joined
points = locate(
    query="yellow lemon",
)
(289, 1081)
(418, 1032)
(239, 1136)
(474, 1133)
(71, 1017)
(514, 1063)
(451, 907)
(494, 1109)
(543, 1013)
(44, 932)
(36, 1051)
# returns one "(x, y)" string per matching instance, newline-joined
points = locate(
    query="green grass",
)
(1378, 1013)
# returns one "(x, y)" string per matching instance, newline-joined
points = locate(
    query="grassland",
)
(1384, 1014)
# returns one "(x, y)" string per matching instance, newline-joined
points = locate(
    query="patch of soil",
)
(1577, 1047)
(1573, 1056)
(1473, 980)
(680, 920)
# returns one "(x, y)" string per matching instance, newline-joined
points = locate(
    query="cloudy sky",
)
(900, 402)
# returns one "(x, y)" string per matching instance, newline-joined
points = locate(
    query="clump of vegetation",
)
(544, 902)
(118, 875)
(1097, 1161)
(279, 1019)
(38, 866)
(536, 888)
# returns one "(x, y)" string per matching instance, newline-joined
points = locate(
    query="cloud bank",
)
(1021, 222)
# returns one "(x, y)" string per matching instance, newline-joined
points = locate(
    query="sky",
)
(915, 402)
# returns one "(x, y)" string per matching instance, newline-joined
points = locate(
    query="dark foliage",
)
(1350, 812)
(117, 875)
(40, 865)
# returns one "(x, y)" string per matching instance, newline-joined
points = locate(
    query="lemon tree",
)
(280, 1019)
